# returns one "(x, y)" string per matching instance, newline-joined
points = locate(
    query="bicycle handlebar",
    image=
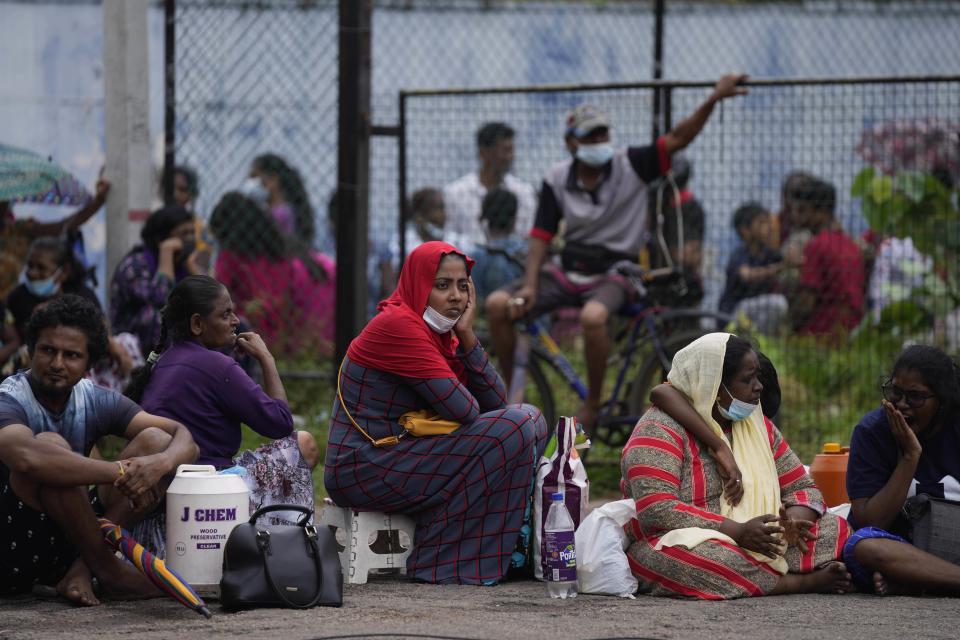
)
(640, 277)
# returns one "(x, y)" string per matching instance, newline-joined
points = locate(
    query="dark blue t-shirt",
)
(874, 455)
(736, 289)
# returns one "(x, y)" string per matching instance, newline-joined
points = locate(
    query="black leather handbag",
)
(294, 566)
(934, 525)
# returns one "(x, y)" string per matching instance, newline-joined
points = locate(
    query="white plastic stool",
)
(357, 559)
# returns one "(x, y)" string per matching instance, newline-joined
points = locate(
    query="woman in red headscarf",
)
(468, 490)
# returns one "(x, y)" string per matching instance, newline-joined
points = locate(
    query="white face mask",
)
(253, 188)
(437, 321)
(595, 155)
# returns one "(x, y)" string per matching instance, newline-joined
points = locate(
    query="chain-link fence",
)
(256, 78)
(259, 77)
(256, 117)
(881, 269)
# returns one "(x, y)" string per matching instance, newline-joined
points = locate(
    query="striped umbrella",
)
(28, 177)
(153, 567)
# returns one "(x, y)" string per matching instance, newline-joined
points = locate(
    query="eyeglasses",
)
(892, 393)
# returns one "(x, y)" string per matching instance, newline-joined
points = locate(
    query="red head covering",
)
(398, 340)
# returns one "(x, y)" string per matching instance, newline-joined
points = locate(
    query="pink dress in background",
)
(290, 309)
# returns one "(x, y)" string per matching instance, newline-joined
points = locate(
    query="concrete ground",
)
(392, 607)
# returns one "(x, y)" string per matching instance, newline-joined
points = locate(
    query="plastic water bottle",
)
(559, 550)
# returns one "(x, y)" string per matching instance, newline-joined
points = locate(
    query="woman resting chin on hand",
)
(908, 446)
(190, 381)
(468, 490)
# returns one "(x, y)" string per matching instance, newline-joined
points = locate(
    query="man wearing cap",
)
(601, 194)
(463, 196)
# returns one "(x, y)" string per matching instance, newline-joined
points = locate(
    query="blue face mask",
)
(739, 410)
(43, 288)
(595, 155)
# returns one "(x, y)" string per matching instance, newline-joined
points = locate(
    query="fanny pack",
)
(420, 423)
(590, 259)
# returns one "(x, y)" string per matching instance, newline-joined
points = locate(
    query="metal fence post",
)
(169, 96)
(353, 170)
(658, 29)
(402, 177)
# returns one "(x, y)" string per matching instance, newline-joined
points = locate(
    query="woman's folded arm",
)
(484, 381)
(652, 465)
(448, 397)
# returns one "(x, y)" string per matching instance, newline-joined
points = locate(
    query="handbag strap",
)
(263, 543)
(389, 440)
(306, 511)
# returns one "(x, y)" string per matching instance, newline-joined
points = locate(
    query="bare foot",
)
(125, 582)
(832, 578)
(77, 585)
(880, 586)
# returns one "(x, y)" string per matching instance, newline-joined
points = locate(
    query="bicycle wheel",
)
(542, 396)
(538, 392)
(651, 374)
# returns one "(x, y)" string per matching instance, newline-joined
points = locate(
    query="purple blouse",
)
(137, 293)
(211, 395)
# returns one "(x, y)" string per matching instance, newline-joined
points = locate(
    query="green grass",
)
(826, 389)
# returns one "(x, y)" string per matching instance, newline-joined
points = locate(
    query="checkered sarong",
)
(467, 491)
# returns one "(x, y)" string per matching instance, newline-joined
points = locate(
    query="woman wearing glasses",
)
(908, 446)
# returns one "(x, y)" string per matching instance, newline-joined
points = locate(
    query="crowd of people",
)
(724, 507)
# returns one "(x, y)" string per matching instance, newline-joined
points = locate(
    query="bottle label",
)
(560, 556)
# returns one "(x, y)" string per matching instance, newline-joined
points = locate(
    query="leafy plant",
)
(825, 390)
(905, 193)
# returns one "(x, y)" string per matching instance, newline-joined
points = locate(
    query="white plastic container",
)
(202, 510)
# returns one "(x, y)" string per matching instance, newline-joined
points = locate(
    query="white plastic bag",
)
(602, 565)
(560, 469)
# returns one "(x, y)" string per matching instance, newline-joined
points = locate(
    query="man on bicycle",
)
(600, 193)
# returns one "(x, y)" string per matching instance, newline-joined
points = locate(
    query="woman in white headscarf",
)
(690, 541)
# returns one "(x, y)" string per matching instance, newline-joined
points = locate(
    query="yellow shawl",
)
(696, 373)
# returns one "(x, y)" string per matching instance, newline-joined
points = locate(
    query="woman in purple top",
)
(143, 279)
(212, 395)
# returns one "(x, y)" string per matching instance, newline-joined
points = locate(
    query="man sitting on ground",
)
(50, 419)
(601, 195)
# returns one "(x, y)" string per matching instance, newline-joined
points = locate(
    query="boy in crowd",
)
(829, 296)
(752, 272)
(426, 218)
(501, 259)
